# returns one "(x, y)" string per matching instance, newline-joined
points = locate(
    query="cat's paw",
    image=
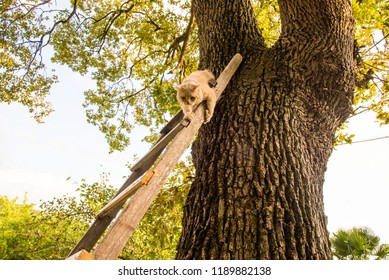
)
(207, 116)
(189, 116)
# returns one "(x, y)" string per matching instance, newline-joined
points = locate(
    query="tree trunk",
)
(260, 162)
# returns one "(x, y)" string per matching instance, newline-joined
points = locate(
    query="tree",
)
(358, 244)
(51, 231)
(260, 162)
(15, 222)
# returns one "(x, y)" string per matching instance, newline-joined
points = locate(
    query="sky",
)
(38, 159)
(49, 160)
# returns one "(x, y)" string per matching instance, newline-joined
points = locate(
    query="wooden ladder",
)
(147, 177)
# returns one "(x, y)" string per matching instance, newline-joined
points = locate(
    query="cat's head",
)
(188, 93)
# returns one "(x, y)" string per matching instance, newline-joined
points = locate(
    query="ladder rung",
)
(81, 255)
(130, 190)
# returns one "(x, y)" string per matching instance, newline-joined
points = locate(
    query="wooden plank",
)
(172, 123)
(81, 255)
(123, 227)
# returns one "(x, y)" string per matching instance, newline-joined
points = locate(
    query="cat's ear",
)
(194, 86)
(178, 87)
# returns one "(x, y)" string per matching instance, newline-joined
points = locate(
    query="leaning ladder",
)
(148, 176)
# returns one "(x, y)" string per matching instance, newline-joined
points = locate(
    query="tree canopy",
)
(136, 50)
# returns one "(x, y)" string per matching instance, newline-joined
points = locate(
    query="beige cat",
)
(194, 89)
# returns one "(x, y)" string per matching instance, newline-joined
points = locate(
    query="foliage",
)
(83, 207)
(136, 50)
(130, 47)
(372, 57)
(267, 12)
(358, 244)
(15, 224)
(382, 252)
(52, 231)
(23, 75)
(68, 217)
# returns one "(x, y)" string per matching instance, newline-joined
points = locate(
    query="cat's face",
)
(188, 94)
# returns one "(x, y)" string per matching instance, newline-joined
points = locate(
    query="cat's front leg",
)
(188, 112)
(211, 102)
(208, 116)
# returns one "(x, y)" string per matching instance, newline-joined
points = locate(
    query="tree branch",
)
(41, 42)
(114, 15)
(366, 51)
(366, 140)
(185, 39)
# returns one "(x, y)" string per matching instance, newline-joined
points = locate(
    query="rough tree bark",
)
(260, 162)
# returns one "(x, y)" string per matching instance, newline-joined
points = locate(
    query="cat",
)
(193, 90)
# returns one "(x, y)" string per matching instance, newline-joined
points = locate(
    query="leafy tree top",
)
(136, 50)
